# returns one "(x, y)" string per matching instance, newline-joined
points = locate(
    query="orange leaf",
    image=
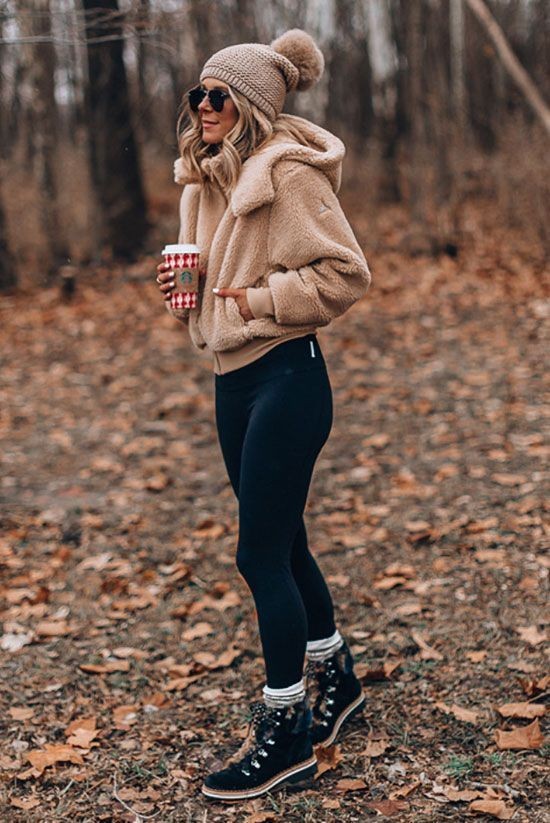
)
(350, 785)
(375, 748)
(389, 807)
(327, 759)
(527, 710)
(531, 635)
(19, 713)
(525, 737)
(40, 759)
(461, 714)
(52, 628)
(25, 803)
(496, 808)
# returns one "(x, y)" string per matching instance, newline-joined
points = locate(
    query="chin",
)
(207, 137)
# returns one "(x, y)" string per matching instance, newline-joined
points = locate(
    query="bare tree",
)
(8, 275)
(34, 18)
(113, 149)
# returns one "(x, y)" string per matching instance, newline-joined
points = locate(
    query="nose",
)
(204, 105)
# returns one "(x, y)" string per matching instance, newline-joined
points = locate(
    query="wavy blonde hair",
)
(222, 162)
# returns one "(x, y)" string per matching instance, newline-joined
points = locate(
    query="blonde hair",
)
(222, 162)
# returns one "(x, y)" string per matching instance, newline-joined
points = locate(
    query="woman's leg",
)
(313, 588)
(232, 416)
(289, 423)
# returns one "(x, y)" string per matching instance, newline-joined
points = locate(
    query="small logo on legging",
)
(312, 349)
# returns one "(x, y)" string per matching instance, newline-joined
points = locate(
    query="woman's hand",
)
(165, 279)
(240, 299)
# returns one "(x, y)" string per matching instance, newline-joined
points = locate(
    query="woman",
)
(279, 260)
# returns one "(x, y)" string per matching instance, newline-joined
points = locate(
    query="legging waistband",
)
(299, 354)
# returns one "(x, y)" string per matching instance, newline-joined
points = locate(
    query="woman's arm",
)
(322, 268)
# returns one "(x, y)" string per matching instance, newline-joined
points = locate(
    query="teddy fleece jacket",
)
(282, 235)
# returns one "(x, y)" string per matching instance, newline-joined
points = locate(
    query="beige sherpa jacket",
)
(282, 235)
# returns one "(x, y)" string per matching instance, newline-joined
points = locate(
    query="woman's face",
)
(216, 124)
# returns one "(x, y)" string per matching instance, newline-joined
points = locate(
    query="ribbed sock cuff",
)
(280, 698)
(324, 648)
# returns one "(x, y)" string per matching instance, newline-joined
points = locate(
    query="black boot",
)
(282, 753)
(338, 694)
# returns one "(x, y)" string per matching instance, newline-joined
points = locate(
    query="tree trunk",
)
(8, 276)
(113, 150)
(43, 138)
(458, 86)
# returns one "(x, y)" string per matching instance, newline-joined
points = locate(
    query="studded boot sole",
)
(294, 776)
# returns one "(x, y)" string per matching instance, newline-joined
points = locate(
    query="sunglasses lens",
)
(196, 96)
(216, 98)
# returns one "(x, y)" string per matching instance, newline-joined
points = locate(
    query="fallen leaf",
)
(456, 795)
(328, 758)
(375, 748)
(329, 803)
(524, 737)
(496, 808)
(81, 732)
(14, 642)
(389, 807)
(426, 651)
(531, 635)
(389, 582)
(20, 713)
(507, 479)
(25, 803)
(350, 785)
(198, 630)
(40, 759)
(476, 657)
(457, 711)
(525, 710)
(125, 716)
(53, 628)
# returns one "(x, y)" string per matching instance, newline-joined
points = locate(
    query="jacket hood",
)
(255, 187)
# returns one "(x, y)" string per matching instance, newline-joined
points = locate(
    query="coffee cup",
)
(183, 259)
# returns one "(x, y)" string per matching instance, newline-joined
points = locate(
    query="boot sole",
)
(291, 777)
(351, 710)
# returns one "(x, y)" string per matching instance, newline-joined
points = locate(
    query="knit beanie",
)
(264, 74)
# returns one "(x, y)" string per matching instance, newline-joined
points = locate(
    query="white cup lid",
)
(181, 248)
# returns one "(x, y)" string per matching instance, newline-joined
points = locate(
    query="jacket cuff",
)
(260, 302)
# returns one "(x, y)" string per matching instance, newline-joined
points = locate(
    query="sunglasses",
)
(216, 98)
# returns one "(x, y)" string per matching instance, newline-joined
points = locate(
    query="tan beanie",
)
(264, 74)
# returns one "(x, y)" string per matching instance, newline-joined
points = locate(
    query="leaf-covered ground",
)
(129, 645)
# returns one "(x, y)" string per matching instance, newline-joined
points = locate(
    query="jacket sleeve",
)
(321, 270)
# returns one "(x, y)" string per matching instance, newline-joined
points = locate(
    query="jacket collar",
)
(255, 185)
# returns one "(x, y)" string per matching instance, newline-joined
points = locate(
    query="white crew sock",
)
(324, 648)
(280, 698)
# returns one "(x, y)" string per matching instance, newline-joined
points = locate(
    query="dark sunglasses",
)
(216, 97)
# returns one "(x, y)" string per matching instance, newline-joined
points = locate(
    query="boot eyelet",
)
(246, 772)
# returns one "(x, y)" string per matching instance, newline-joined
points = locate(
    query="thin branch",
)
(510, 61)
(139, 815)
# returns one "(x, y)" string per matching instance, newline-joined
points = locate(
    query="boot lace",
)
(324, 677)
(265, 720)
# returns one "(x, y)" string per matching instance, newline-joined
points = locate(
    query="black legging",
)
(273, 416)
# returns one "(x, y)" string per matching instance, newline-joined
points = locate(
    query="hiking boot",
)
(281, 754)
(338, 694)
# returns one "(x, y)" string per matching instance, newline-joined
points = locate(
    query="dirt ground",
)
(129, 645)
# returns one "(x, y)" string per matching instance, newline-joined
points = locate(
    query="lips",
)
(209, 123)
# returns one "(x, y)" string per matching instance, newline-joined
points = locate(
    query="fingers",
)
(165, 280)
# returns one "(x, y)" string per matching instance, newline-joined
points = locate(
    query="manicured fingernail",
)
(215, 291)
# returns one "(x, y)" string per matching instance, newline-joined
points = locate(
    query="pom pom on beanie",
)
(300, 48)
(264, 74)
